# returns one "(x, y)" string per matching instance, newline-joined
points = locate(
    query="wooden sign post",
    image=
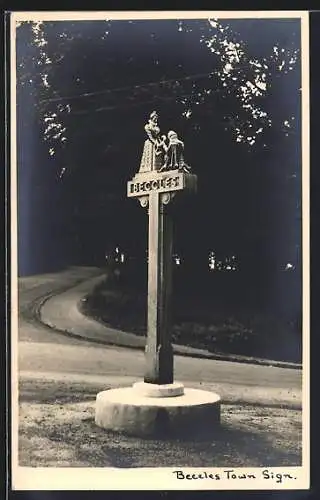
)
(163, 174)
(155, 190)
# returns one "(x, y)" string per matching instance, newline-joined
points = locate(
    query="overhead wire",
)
(119, 89)
(157, 83)
(133, 104)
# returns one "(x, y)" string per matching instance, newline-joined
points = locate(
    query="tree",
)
(91, 84)
(245, 83)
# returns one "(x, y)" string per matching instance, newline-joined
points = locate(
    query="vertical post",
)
(158, 352)
(155, 185)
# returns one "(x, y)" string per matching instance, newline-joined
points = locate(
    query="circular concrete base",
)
(125, 410)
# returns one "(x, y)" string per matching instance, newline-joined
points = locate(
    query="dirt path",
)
(43, 350)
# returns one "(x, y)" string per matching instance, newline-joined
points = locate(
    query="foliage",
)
(75, 71)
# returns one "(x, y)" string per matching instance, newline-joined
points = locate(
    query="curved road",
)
(45, 354)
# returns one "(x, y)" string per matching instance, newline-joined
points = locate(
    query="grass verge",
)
(200, 322)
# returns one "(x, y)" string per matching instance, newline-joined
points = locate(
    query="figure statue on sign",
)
(154, 146)
(152, 128)
(174, 159)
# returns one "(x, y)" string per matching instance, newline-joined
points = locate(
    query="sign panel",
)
(142, 185)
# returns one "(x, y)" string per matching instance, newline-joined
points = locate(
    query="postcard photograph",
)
(159, 250)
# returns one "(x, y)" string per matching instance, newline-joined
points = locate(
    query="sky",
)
(102, 81)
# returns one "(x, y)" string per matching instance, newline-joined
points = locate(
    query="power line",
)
(129, 105)
(128, 88)
(119, 89)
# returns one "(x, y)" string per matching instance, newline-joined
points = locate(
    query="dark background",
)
(249, 198)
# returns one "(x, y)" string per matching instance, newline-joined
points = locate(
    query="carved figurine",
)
(174, 158)
(152, 128)
(154, 146)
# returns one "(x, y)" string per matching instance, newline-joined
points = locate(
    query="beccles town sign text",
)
(145, 184)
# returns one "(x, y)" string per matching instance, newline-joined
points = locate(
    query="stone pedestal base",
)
(131, 410)
(158, 391)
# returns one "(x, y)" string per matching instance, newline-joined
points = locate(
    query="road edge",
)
(54, 312)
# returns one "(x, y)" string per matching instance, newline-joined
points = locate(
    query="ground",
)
(59, 377)
(57, 429)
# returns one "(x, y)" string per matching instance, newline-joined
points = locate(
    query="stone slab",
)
(124, 410)
(158, 390)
